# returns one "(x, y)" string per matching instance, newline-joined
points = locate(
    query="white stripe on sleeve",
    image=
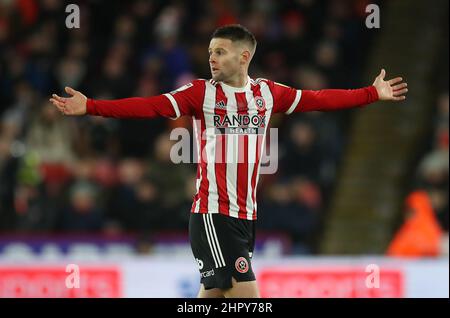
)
(174, 105)
(298, 96)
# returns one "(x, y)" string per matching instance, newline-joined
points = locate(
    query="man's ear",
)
(245, 57)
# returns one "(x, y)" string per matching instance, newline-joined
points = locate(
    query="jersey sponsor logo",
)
(241, 265)
(207, 273)
(239, 120)
(239, 131)
(239, 124)
(260, 103)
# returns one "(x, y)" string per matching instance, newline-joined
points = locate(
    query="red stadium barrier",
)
(50, 282)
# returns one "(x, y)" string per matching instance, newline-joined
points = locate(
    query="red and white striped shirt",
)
(230, 126)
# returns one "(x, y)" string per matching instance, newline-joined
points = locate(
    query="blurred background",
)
(353, 188)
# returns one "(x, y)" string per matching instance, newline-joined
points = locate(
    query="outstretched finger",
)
(395, 80)
(58, 98)
(399, 86)
(400, 92)
(70, 90)
(57, 103)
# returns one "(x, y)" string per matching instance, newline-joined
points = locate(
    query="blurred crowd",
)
(424, 228)
(433, 169)
(91, 174)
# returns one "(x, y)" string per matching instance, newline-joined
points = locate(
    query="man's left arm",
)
(336, 99)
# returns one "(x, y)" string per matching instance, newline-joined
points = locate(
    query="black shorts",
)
(223, 248)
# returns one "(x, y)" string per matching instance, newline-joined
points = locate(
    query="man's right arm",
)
(182, 101)
(134, 107)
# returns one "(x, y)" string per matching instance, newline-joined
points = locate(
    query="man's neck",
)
(239, 81)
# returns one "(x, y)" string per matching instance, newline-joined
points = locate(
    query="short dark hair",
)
(235, 32)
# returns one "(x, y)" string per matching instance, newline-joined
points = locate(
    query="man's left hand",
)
(394, 89)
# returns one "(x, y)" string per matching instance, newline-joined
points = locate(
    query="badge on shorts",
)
(241, 265)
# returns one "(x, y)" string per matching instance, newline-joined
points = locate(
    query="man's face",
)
(224, 59)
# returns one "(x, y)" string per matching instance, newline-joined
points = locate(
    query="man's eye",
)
(217, 52)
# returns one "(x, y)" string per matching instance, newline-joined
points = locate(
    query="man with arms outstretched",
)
(230, 115)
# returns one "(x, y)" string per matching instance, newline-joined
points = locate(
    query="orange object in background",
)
(420, 235)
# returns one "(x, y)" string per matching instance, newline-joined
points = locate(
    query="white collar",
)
(237, 89)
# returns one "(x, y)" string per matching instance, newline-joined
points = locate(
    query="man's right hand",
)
(74, 105)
